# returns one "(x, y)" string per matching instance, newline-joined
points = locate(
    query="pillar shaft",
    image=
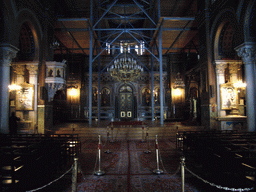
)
(248, 51)
(7, 53)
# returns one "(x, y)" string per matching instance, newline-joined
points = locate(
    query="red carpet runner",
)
(129, 169)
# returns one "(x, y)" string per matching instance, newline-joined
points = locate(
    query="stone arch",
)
(249, 23)
(226, 19)
(28, 18)
(134, 90)
(8, 24)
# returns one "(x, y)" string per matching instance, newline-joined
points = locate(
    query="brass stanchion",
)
(157, 170)
(74, 175)
(99, 172)
(147, 140)
(142, 136)
(107, 151)
(182, 164)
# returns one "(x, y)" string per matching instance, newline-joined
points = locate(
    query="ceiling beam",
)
(178, 36)
(72, 19)
(74, 39)
(179, 18)
(132, 29)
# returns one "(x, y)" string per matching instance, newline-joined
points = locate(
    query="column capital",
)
(7, 53)
(220, 67)
(234, 68)
(19, 69)
(247, 51)
(32, 68)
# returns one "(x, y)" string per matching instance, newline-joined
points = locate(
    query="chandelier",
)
(178, 82)
(125, 69)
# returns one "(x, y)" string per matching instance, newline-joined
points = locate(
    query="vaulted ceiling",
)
(129, 21)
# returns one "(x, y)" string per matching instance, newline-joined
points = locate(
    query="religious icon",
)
(228, 96)
(105, 97)
(146, 97)
(25, 97)
(50, 73)
(58, 73)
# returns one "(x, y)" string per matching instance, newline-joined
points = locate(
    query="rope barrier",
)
(219, 186)
(94, 169)
(169, 174)
(52, 181)
(183, 168)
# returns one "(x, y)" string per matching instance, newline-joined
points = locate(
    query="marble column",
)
(33, 71)
(248, 51)
(7, 53)
(220, 71)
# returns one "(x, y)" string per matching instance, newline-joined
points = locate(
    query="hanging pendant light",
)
(125, 69)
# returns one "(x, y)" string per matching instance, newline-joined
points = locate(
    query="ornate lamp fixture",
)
(125, 69)
(178, 82)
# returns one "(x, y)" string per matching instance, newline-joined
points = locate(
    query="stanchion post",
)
(107, 151)
(99, 172)
(112, 133)
(182, 164)
(74, 175)
(157, 170)
(177, 137)
(142, 136)
(147, 140)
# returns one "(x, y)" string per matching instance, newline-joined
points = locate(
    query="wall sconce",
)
(178, 85)
(239, 84)
(73, 92)
(14, 87)
(177, 92)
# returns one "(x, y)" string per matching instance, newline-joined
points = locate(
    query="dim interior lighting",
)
(125, 69)
(178, 82)
(177, 92)
(73, 92)
(240, 84)
(14, 87)
(8, 180)
(72, 143)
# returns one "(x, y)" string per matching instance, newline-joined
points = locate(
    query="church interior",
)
(116, 95)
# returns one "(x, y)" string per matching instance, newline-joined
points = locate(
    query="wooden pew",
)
(34, 158)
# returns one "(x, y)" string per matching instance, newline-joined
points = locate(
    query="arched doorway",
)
(126, 103)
